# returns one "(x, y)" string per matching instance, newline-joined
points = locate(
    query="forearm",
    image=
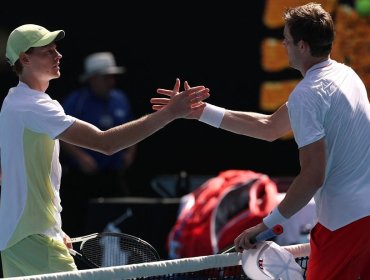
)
(252, 124)
(180, 105)
(249, 124)
(85, 135)
(305, 185)
(298, 195)
(131, 133)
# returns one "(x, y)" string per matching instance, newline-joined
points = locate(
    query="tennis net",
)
(221, 266)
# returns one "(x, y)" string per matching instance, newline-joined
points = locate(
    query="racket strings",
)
(303, 262)
(107, 250)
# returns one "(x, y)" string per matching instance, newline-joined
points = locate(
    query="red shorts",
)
(340, 254)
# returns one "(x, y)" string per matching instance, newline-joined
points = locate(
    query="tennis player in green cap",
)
(32, 123)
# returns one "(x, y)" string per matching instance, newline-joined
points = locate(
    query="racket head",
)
(111, 249)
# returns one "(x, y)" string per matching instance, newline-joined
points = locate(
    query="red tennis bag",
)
(214, 214)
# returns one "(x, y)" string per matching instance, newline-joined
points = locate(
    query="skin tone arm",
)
(256, 125)
(311, 177)
(120, 137)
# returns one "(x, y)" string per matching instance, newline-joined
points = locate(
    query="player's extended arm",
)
(86, 135)
(257, 125)
(252, 124)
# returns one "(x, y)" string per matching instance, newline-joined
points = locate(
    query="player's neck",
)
(311, 62)
(33, 82)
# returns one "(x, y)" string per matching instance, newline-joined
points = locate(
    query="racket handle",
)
(82, 258)
(264, 235)
(267, 234)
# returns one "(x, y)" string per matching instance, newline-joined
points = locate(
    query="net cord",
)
(157, 268)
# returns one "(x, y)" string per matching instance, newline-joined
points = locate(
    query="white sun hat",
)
(100, 63)
(270, 261)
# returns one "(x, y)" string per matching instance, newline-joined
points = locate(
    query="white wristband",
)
(212, 115)
(274, 218)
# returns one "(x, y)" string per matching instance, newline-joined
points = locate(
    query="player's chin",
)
(55, 74)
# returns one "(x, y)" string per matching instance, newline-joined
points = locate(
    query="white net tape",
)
(166, 267)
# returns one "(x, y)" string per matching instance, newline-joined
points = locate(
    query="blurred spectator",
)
(89, 174)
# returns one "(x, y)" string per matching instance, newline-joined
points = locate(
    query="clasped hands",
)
(190, 100)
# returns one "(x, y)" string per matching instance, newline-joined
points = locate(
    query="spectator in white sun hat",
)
(99, 102)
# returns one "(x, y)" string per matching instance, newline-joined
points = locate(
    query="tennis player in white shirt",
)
(31, 125)
(329, 114)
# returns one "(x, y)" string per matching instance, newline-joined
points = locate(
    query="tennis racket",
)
(264, 235)
(112, 249)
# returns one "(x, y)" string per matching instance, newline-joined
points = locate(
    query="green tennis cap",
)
(28, 36)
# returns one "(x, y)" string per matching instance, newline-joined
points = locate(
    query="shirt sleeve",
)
(307, 110)
(48, 117)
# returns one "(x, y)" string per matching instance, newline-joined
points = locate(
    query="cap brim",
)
(109, 71)
(270, 261)
(250, 262)
(49, 38)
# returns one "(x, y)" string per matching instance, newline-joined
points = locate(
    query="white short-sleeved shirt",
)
(30, 121)
(331, 102)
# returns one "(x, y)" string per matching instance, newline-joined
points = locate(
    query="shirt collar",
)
(21, 84)
(320, 65)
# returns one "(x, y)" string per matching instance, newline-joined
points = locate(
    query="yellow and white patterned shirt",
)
(30, 121)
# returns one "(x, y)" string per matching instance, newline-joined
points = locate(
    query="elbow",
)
(319, 181)
(106, 148)
(317, 176)
(316, 180)
(271, 132)
(109, 152)
(110, 145)
(272, 135)
(265, 135)
(276, 133)
(106, 144)
(271, 138)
